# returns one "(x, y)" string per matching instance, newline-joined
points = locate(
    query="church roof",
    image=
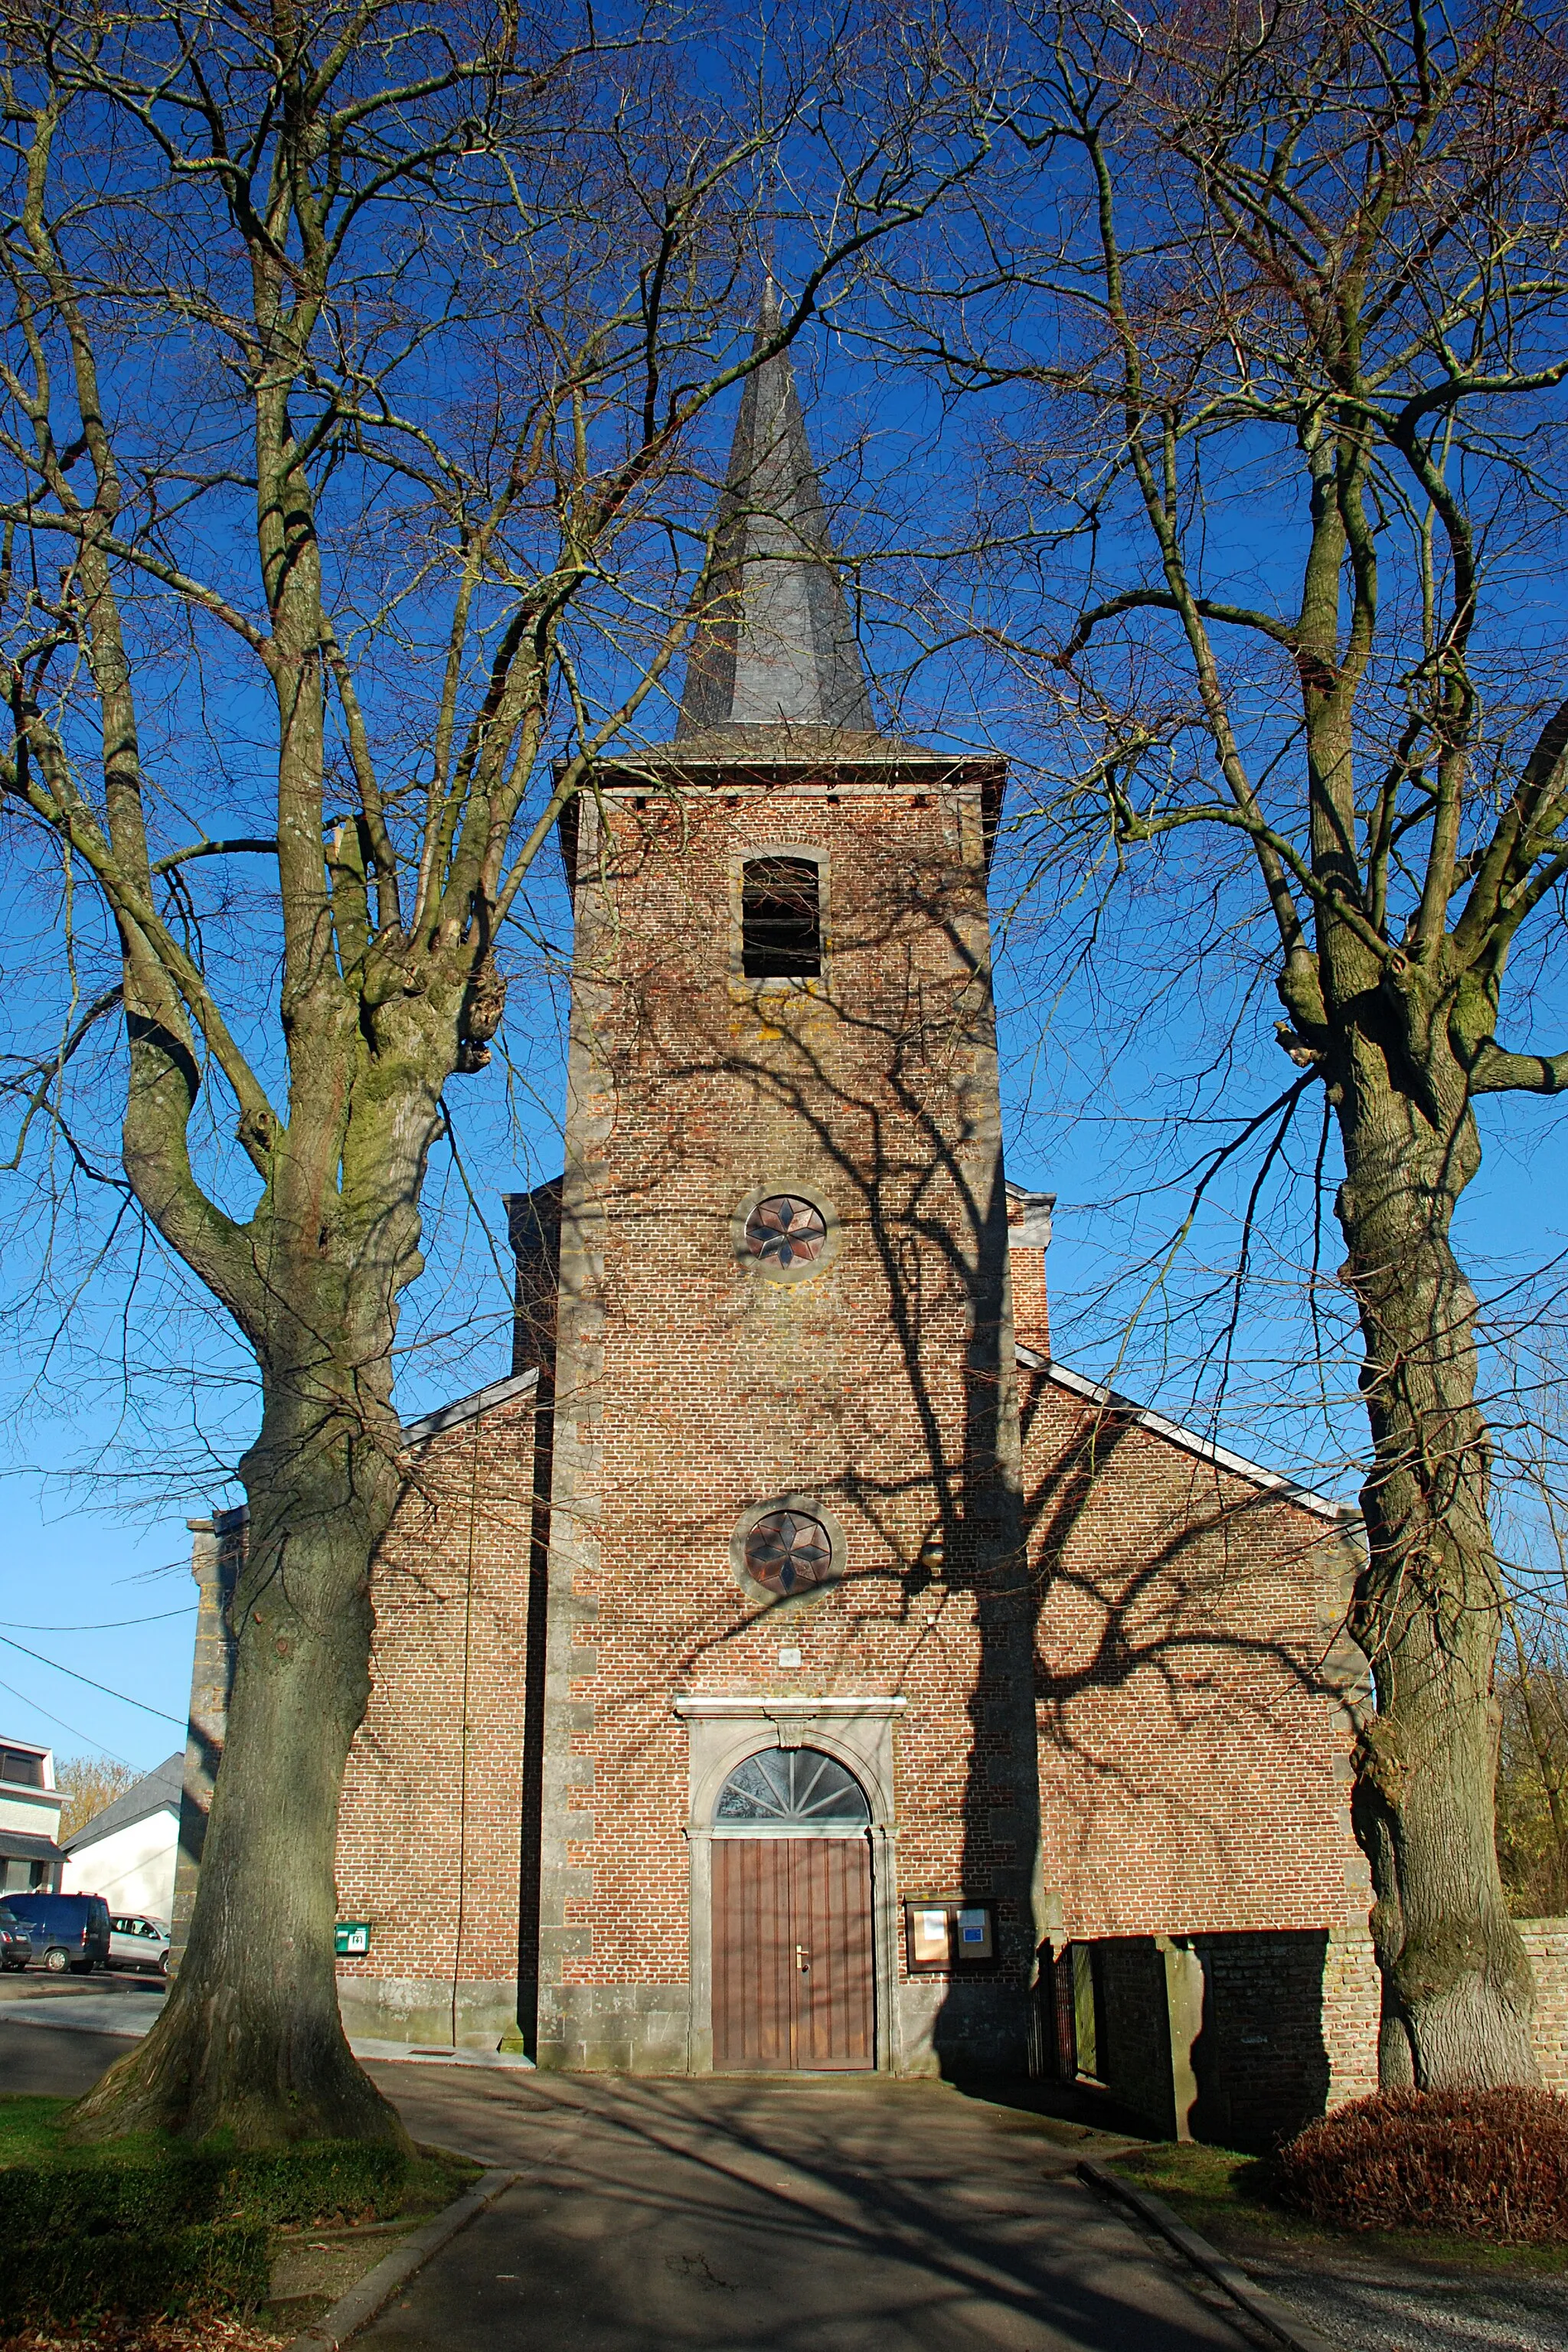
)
(468, 1408)
(1188, 1440)
(1036, 1208)
(774, 647)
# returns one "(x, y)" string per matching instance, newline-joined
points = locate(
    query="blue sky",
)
(99, 1481)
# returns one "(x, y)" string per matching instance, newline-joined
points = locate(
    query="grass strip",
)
(1229, 2197)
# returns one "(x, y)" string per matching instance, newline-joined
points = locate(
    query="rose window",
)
(784, 1231)
(788, 1552)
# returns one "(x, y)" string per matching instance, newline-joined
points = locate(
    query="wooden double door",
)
(794, 1979)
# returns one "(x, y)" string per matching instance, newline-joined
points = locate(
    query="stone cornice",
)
(715, 1703)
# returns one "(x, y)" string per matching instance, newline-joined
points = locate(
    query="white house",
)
(29, 1817)
(126, 1852)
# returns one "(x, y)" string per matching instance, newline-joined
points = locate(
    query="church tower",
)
(787, 1794)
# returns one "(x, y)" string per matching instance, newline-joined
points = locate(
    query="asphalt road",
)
(63, 2065)
(806, 2216)
(121, 2004)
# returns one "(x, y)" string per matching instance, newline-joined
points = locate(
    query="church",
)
(789, 1665)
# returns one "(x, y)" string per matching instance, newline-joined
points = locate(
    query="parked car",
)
(64, 1931)
(135, 1942)
(15, 1943)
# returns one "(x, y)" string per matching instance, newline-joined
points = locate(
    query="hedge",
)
(1485, 2163)
(223, 2265)
(150, 2225)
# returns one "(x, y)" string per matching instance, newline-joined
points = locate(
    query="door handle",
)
(803, 1958)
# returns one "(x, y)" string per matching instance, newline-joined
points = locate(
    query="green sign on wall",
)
(350, 1937)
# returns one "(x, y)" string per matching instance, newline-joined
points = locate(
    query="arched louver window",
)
(781, 919)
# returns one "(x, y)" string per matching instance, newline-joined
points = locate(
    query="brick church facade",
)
(789, 1665)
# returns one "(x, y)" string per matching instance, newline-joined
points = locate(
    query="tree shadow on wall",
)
(879, 1085)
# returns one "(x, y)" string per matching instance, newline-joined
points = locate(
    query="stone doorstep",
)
(372, 2293)
(410, 2053)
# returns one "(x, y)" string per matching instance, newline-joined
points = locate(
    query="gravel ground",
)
(1390, 2306)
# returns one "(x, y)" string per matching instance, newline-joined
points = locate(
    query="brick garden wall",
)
(1350, 2004)
(1546, 1941)
(1134, 2055)
(1286, 2028)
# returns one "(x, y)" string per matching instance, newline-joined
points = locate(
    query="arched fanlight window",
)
(791, 1788)
(780, 918)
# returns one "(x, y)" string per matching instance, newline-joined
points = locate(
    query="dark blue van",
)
(67, 1931)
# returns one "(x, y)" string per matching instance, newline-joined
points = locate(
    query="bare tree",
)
(1272, 337)
(88, 1783)
(355, 369)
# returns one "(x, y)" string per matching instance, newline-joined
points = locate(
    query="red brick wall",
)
(432, 1806)
(1031, 1306)
(1194, 1756)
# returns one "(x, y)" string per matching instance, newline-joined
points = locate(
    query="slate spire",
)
(775, 647)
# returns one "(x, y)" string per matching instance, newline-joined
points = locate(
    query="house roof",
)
(16, 1846)
(155, 1792)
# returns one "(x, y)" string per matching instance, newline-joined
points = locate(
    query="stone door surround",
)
(859, 1733)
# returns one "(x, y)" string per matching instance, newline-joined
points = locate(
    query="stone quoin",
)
(787, 1609)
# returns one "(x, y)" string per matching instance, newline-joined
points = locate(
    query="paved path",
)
(815, 2217)
(778, 2217)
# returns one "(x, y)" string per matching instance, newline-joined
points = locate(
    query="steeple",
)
(776, 647)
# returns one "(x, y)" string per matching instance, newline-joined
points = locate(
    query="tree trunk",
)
(251, 2038)
(1457, 1995)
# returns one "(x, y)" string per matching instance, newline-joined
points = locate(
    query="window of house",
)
(780, 918)
(23, 1771)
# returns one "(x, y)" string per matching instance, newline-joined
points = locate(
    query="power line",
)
(53, 1664)
(110, 1625)
(69, 1726)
